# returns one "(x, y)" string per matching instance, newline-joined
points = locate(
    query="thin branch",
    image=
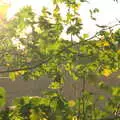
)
(55, 55)
(40, 63)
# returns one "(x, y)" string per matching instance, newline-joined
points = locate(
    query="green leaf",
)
(55, 85)
(85, 36)
(96, 10)
(101, 97)
(2, 96)
(115, 91)
(12, 76)
(35, 115)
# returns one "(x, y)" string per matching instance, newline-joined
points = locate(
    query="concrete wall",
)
(71, 88)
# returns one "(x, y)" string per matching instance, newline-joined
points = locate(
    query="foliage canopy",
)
(33, 46)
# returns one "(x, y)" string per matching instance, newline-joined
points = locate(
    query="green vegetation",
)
(33, 46)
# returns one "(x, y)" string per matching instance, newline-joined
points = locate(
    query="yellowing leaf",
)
(102, 43)
(71, 103)
(17, 73)
(7, 64)
(107, 72)
(74, 118)
(105, 43)
(118, 51)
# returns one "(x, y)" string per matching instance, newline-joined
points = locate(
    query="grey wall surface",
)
(71, 89)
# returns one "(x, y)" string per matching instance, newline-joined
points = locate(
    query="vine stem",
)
(83, 97)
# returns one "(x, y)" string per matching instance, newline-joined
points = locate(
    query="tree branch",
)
(55, 55)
